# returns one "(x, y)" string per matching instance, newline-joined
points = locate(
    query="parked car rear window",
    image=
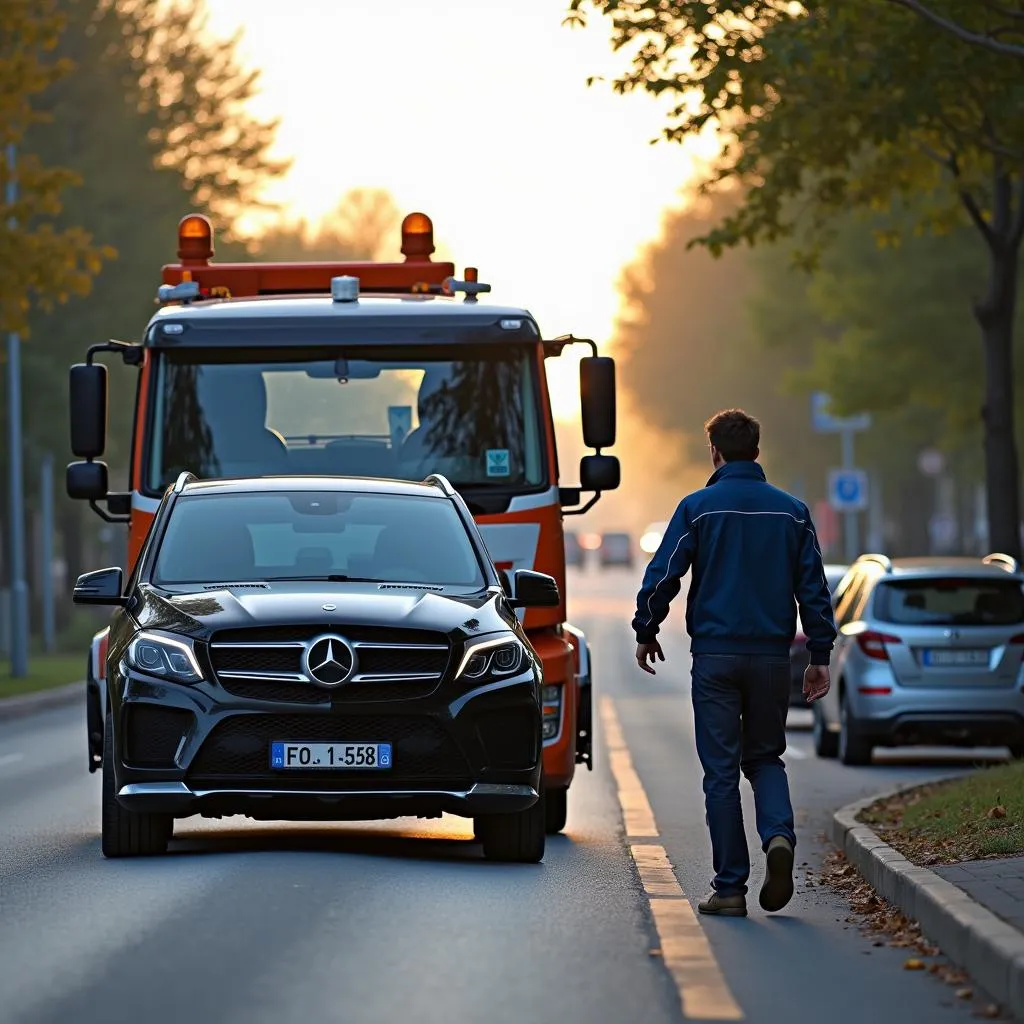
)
(950, 601)
(307, 534)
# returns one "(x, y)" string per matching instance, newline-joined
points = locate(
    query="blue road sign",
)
(848, 490)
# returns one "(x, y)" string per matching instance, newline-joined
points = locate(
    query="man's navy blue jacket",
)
(752, 549)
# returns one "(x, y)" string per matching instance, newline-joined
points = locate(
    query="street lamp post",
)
(19, 588)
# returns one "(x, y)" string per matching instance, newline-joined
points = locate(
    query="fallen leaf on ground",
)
(964, 993)
(913, 965)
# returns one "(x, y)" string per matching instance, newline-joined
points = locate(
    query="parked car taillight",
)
(1018, 639)
(873, 644)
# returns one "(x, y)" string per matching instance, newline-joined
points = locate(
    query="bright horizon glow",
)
(483, 120)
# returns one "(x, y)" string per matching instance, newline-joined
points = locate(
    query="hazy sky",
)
(476, 112)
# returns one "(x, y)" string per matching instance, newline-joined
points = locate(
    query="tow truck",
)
(378, 369)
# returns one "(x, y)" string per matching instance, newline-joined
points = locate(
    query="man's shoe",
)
(723, 906)
(777, 890)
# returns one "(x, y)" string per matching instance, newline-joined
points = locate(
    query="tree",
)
(1005, 22)
(837, 106)
(39, 262)
(362, 226)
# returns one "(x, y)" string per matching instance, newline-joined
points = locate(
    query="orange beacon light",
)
(195, 239)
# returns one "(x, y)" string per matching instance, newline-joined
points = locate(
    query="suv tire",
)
(854, 747)
(556, 809)
(517, 838)
(125, 833)
(826, 742)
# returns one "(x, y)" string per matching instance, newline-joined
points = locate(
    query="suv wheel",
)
(556, 809)
(854, 748)
(125, 833)
(826, 742)
(516, 837)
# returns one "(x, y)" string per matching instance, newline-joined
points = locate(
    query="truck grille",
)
(266, 664)
(238, 751)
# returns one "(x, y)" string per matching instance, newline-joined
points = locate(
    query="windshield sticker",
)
(497, 462)
(399, 423)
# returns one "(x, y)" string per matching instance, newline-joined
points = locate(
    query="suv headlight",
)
(165, 657)
(494, 656)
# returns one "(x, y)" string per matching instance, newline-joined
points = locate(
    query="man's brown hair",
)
(736, 435)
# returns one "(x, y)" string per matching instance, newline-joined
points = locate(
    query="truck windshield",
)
(472, 416)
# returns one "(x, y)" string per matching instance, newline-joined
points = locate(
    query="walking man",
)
(754, 557)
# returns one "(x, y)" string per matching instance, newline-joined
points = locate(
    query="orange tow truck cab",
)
(358, 369)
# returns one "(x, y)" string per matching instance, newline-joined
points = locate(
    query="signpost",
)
(848, 486)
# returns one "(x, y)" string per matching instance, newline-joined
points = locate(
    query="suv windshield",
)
(275, 535)
(470, 413)
(953, 601)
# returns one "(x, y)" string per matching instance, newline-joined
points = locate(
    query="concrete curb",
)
(31, 703)
(973, 938)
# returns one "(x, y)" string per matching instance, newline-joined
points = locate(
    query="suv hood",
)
(200, 613)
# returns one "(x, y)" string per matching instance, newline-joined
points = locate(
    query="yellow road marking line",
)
(703, 991)
(656, 872)
(691, 962)
(636, 811)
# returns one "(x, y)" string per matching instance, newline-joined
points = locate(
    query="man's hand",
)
(651, 652)
(816, 682)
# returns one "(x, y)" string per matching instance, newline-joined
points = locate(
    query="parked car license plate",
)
(284, 754)
(944, 659)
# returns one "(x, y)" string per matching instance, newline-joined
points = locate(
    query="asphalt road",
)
(403, 921)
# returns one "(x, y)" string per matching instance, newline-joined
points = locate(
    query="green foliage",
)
(40, 262)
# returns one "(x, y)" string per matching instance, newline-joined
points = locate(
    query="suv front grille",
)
(267, 664)
(238, 750)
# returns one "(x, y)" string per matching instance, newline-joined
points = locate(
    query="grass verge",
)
(980, 815)
(45, 671)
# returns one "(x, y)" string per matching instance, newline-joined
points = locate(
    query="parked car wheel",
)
(556, 809)
(854, 748)
(515, 837)
(124, 833)
(826, 742)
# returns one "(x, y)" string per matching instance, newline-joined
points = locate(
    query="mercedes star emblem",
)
(329, 660)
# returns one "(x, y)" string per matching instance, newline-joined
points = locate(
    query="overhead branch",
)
(963, 34)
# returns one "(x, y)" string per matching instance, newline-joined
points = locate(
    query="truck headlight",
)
(502, 655)
(165, 657)
(551, 703)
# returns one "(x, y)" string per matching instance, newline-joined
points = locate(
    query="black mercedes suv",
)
(319, 649)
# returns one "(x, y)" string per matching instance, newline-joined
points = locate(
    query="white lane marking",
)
(685, 950)
(10, 759)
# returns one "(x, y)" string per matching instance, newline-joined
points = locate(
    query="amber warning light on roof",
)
(417, 273)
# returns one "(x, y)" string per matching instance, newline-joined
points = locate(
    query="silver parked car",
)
(929, 651)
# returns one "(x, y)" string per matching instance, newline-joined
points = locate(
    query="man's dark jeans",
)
(739, 710)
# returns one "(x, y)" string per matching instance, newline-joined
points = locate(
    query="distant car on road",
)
(798, 654)
(930, 651)
(320, 648)
(574, 552)
(651, 537)
(616, 549)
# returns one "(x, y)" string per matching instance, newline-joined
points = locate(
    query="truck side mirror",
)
(86, 481)
(599, 473)
(597, 401)
(88, 393)
(103, 586)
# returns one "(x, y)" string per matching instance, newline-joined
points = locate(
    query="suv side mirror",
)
(535, 590)
(86, 481)
(597, 401)
(599, 473)
(103, 586)
(88, 394)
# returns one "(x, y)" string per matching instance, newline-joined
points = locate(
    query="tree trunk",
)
(995, 316)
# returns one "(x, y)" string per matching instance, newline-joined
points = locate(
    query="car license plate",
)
(955, 659)
(284, 754)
